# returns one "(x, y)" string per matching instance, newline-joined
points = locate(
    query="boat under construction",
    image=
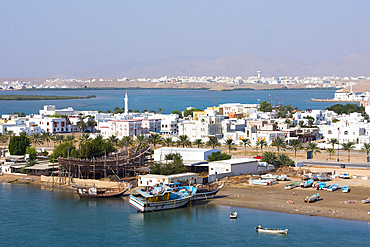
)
(123, 164)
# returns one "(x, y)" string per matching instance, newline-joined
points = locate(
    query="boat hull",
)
(275, 231)
(85, 194)
(199, 195)
(143, 206)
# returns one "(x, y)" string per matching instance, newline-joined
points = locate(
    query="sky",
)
(44, 38)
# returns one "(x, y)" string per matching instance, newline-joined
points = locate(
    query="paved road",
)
(337, 164)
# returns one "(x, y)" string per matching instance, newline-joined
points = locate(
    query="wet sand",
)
(275, 197)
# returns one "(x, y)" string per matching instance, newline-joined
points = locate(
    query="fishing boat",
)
(345, 189)
(292, 185)
(233, 215)
(312, 198)
(283, 178)
(206, 193)
(94, 192)
(326, 187)
(333, 187)
(269, 176)
(272, 230)
(366, 200)
(320, 186)
(307, 183)
(261, 181)
(160, 197)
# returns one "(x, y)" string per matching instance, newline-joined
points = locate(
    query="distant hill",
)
(357, 64)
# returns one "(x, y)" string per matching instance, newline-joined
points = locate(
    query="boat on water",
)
(161, 197)
(345, 189)
(233, 215)
(312, 198)
(307, 183)
(94, 192)
(272, 230)
(292, 185)
(366, 200)
(333, 187)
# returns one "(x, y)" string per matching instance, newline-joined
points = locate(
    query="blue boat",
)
(307, 183)
(333, 187)
(321, 186)
(160, 197)
(345, 189)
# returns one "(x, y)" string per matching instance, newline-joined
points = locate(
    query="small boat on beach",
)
(333, 187)
(292, 185)
(283, 178)
(161, 197)
(94, 192)
(312, 198)
(320, 186)
(261, 181)
(366, 200)
(345, 189)
(307, 183)
(272, 230)
(205, 193)
(233, 215)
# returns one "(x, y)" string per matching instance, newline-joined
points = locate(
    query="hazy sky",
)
(42, 38)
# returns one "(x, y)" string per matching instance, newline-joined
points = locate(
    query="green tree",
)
(198, 142)
(295, 145)
(215, 156)
(261, 144)
(126, 141)
(177, 112)
(284, 160)
(18, 144)
(174, 167)
(189, 112)
(167, 142)
(213, 142)
(348, 146)
(113, 140)
(36, 138)
(183, 141)
(366, 148)
(47, 137)
(32, 152)
(62, 151)
(59, 138)
(313, 147)
(246, 142)
(265, 107)
(332, 141)
(330, 151)
(269, 157)
(154, 139)
(279, 144)
(140, 139)
(229, 143)
(70, 138)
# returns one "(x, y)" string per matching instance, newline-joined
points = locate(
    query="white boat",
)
(283, 178)
(160, 197)
(333, 187)
(233, 215)
(270, 176)
(345, 189)
(272, 230)
(366, 200)
(307, 183)
(312, 198)
(261, 181)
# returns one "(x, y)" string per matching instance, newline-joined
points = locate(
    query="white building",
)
(154, 179)
(188, 154)
(235, 166)
(51, 124)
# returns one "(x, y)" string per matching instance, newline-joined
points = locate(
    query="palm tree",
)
(295, 145)
(198, 143)
(230, 144)
(3, 139)
(278, 143)
(269, 157)
(246, 142)
(46, 136)
(127, 142)
(84, 138)
(366, 148)
(154, 139)
(82, 125)
(213, 142)
(313, 147)
(348, 146)
(70, 138)
(113, 140)
(140, 139)
(261, 144)
(167, 142)
(9, 134)
(59, 138)
(332, 141)
(330, 151)
(183, 141)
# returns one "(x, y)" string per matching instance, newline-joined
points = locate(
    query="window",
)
(227, 170)
(141, 182)
(329, 132)
(346, 132)
(211, 169)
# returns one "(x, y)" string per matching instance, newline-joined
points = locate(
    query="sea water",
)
(34, 217)
(167, 100)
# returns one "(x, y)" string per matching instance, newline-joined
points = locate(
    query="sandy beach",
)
(275, 197)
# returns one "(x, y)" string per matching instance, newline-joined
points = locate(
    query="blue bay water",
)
(34, 217)
(168, 100)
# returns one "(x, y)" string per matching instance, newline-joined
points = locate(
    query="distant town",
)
(258, 79)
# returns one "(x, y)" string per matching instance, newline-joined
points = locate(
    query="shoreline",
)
(271, 198)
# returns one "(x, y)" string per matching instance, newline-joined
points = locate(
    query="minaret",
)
(126, 104)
